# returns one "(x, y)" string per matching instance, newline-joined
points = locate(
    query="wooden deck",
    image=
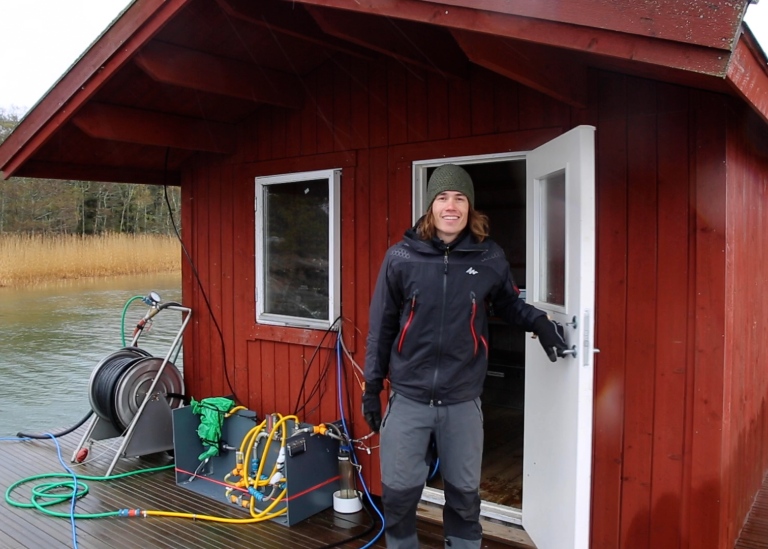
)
(27, 528)
(754, 534)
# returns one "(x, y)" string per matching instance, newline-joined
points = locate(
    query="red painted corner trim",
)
(747, 74)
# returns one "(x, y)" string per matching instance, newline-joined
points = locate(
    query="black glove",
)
(549, 337)
(372, 407)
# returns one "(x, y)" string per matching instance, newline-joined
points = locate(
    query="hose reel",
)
(133, 394)
(121, 381)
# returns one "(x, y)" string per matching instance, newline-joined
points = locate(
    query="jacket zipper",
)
(442, 325)
(407, 322)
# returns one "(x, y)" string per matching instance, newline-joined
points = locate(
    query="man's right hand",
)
(372, 410)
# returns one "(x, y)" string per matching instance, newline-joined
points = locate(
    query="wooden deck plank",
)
(754, 534)
(25, 528)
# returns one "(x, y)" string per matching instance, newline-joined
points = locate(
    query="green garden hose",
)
(122, 318)
(50, 493)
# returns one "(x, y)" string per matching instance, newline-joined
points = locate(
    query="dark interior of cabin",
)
(500, 192)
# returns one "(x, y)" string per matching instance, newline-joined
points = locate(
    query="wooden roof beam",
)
(129, 125)
(290, 20)
(191, 69)
(425, 46)
(534, 66)
(115, 174)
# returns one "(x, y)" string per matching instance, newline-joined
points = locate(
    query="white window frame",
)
(334, 249)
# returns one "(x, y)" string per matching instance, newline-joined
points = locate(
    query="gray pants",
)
(406, 433)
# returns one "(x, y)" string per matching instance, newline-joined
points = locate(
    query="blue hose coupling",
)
(130, 513)
(255, 493)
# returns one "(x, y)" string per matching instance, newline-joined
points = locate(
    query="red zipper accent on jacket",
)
(472, 323)
(407, 324)
(485, 343)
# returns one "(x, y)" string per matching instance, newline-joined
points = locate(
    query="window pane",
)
(552, 239)
(296, 249)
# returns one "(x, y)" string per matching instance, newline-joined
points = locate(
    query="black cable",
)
(60, 433)
(318, 388)
(370, 528)
(197, 278)
(185, 399)
(335, 428)
(296, 408)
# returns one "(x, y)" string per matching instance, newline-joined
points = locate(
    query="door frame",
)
(488, 509)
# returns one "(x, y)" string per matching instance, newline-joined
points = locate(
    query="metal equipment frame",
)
(153, 420)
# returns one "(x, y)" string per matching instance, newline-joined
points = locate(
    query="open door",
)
(560, 275)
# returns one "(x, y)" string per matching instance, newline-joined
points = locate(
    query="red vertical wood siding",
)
(664, 460)
(746, 311)
(611, 311)
(706, 404)
(642, 303)
(672, 327)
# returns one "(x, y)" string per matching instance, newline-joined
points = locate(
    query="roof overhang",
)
(173, 78)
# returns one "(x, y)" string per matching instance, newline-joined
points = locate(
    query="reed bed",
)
(34, 259)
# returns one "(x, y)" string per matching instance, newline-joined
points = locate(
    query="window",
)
(551, 221)
(298, 249)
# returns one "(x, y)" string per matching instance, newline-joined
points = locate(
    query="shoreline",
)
(64, 282)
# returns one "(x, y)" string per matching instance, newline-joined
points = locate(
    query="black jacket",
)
(429, 320)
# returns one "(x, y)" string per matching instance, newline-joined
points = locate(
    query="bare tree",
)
(81, 207)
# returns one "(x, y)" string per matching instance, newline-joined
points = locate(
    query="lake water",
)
(52, 337)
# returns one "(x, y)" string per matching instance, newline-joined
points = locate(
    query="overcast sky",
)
(41, 39)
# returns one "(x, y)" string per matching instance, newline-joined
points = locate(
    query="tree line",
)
(52, 206)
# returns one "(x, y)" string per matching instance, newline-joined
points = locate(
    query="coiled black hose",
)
(105, 384)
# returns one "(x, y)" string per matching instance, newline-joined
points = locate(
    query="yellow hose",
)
(255, 517)
(279, 424)
(233, 410)
(246, 446)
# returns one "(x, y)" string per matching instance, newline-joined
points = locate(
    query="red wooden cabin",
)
(356, 100)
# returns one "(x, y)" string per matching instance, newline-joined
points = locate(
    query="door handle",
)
(571, 351)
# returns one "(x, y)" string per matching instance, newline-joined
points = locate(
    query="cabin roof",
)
(172, 78)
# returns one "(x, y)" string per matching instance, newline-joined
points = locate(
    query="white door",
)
(560, 279)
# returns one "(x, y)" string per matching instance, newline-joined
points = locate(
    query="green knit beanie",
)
(450, 177)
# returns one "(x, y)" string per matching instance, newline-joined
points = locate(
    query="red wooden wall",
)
(680, 440)
(746, 306)
(665, 454)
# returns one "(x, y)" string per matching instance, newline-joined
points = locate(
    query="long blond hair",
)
(476, 221)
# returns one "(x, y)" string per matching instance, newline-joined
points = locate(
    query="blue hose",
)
(351, 449)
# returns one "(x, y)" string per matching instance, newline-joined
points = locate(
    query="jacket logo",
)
(471, 271)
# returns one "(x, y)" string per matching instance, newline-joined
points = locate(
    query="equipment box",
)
(310, 469)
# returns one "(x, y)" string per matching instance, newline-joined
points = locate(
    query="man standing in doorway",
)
(429, 336)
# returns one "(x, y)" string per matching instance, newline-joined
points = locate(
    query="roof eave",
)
(747, 73)
(481, 33)
(142, 20)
